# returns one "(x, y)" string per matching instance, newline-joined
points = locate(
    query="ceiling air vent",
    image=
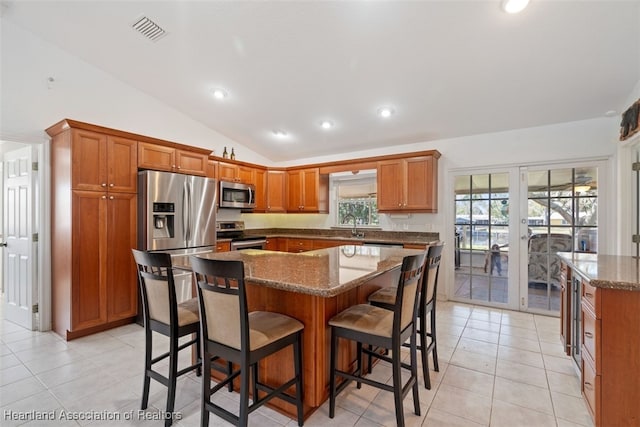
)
(149, 29)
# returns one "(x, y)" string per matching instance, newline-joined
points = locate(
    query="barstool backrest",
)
(223, 301)
(406, 305)
(432, 265)
(155, 277)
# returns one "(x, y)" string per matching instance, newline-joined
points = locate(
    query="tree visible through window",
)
(357, 197)
(364, 209)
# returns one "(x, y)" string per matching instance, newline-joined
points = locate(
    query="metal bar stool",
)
(164, 315)
(383, 328)
(230, 332)
(385, 298)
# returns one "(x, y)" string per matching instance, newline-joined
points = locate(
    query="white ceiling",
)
(449, 68)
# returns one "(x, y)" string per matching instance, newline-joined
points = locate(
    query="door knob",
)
(3, 245)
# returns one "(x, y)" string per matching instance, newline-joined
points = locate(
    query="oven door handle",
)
(247, 244)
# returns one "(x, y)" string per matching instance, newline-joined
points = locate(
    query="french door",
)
(511, 223)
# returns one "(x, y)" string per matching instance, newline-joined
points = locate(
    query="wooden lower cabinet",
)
(223, 246)
(101, 290)
(611, 355)
(273, 244)
(121, 283)
(299, 245)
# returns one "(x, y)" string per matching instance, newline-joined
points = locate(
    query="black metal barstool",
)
(231, 332)
(385, 298)
(164, 315)
(382, 328)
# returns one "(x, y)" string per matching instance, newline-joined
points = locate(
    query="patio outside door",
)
(509, 226)
(484, 217)
(561, 216)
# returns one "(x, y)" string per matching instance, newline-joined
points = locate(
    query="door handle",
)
(3, 245)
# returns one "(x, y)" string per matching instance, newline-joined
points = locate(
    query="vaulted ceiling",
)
(447, 68)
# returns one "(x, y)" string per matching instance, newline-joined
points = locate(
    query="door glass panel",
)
(482, 237)
(562, 217)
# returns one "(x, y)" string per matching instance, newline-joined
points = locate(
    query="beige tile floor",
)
(497, 368)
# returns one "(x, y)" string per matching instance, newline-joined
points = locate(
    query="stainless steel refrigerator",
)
(177, 214)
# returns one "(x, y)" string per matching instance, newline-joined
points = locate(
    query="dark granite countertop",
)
(370, 236)
(606, 271)
(322, 272)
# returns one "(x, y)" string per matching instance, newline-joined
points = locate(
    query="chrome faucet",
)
(354, 230)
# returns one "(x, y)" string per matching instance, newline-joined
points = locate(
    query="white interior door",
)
(19, 252)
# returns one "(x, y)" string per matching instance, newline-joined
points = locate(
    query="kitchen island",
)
(312, 287)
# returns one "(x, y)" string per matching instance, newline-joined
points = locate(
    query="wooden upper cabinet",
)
(408, 185)
(246, 174)
(191, 163)
(306, 190)
(390, 182)
(276, 191)
(122, 165)
(227, 171)
(170, 159)
(101, 162)
(236, 173)
(212, 169)
(260, 182)
(156, 157)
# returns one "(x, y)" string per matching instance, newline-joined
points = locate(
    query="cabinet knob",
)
(179, 167)
(111, 185)
(103, 197)
(173, 166)
(104, 184)
(111, 197)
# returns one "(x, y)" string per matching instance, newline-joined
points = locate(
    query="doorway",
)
(509, 226)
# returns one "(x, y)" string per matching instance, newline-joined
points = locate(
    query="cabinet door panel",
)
(390, 185)
(294, 191)
(227, 171)
(121, 284)
(419, 189)
(156, 157)
(191, 163)
(246, 174)
(122, 164)
(276, 191)
(310, 189)
(89, 247)
(261, 190)
(88, 160)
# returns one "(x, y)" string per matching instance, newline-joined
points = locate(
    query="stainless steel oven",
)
(234, 230)
(248, 243)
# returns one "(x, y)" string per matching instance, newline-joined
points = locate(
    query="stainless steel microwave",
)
(237, 195)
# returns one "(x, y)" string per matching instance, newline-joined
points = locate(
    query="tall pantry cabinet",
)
(93, 219)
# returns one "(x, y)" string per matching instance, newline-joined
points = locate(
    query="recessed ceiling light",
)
(219, 93)
(326, 124)
(385, 112)
(514, 6)
(279, 133)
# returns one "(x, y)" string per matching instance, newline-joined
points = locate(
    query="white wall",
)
(95, 97)
(627, 191)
